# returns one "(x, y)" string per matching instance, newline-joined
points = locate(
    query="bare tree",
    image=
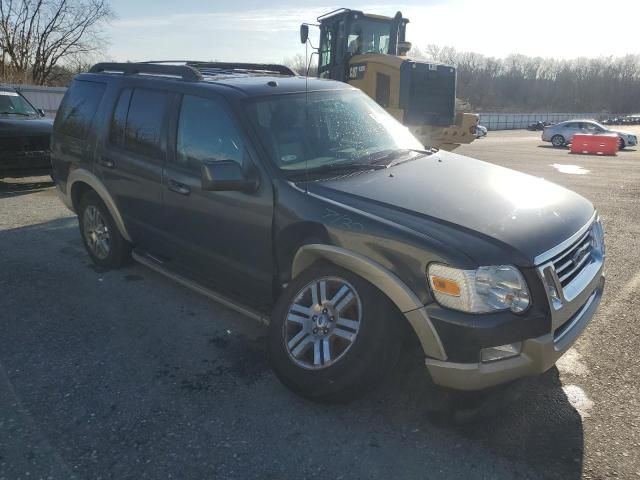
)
(300, 64)
(38, 35)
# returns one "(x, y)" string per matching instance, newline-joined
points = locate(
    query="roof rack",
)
(220, 67)
(185, 72)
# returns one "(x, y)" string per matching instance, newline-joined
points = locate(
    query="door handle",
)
(105, 162)
(178, 187)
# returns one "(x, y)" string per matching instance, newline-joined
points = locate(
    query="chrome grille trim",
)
(570, 268)
(553, 252)
(576, 268)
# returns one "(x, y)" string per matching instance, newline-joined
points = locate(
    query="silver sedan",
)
(562, 133)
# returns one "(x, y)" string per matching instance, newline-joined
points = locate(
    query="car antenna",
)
(304, 37)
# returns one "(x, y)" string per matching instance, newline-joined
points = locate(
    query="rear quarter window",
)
(78, 108)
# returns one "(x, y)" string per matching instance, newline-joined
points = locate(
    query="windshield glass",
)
(327, 129)
(369, 36)
(12, 103)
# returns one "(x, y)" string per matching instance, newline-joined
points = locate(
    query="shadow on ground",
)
(128, 375)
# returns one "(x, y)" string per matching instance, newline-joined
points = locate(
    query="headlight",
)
(487, 289)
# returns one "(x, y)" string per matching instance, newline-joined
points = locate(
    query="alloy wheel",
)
(96, 232)
(322, 323)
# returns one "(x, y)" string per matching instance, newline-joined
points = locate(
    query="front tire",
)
(558, 141)
(333, 335)
(621, 144)
(101, 237)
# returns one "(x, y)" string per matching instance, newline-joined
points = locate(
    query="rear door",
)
(223, 236)
(132, 157)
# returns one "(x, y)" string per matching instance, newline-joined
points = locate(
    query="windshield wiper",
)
(16, 113)
(395, 154)
(336, 167)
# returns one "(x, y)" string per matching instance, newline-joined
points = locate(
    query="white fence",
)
(511, 121)
(46, 98)
(49, 98)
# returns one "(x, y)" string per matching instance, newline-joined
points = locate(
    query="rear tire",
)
(558, 141)
(101, 237)
(621, 144)
(349, 318)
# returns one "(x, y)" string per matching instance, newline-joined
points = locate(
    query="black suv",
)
(303, 203)
(24, 136)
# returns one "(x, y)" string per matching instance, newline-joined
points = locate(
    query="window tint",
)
(206, 133)
(79, 107)
(143, 129)
(119, 119)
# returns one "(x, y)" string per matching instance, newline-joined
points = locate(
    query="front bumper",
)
(537, 356)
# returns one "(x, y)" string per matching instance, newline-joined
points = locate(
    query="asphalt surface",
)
(124, 374)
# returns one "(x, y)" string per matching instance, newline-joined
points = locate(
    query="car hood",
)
(512, 209)
(24, 126)
(622, 132)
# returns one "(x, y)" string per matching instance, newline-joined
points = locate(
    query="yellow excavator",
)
(369, 52)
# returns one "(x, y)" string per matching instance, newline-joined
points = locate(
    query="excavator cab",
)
(369, 52)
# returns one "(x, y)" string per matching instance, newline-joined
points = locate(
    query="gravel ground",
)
(125, 374)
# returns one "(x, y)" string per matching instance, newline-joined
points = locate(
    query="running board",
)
(156, 264)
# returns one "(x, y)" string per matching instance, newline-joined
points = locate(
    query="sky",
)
(261, 31)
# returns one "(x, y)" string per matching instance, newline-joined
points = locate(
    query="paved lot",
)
(126, 375)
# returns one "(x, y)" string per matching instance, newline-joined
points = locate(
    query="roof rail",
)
(332, 13)
(185, 72)
(247, 67)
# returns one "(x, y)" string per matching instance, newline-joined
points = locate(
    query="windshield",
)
(369, 36)
(333, 128)
(12, 103)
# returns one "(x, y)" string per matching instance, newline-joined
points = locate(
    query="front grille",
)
(31, 143)
(570, 262)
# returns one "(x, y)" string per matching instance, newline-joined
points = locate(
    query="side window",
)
(119, 119)
(143, 130)
(78, 108)
(206, 133)
(383, 89)
(325, 49)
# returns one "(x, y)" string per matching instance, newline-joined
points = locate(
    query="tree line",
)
(45, 41)
(535, 84)
(519, 83)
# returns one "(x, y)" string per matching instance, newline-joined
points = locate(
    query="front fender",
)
(386, 281)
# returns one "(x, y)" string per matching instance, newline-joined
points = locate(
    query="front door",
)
(223, 236)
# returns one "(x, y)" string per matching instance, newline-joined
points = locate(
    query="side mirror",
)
(41, 112)
(226, 175)
(304, 33)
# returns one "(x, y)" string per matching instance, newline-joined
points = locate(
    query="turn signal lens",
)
(444, 285)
